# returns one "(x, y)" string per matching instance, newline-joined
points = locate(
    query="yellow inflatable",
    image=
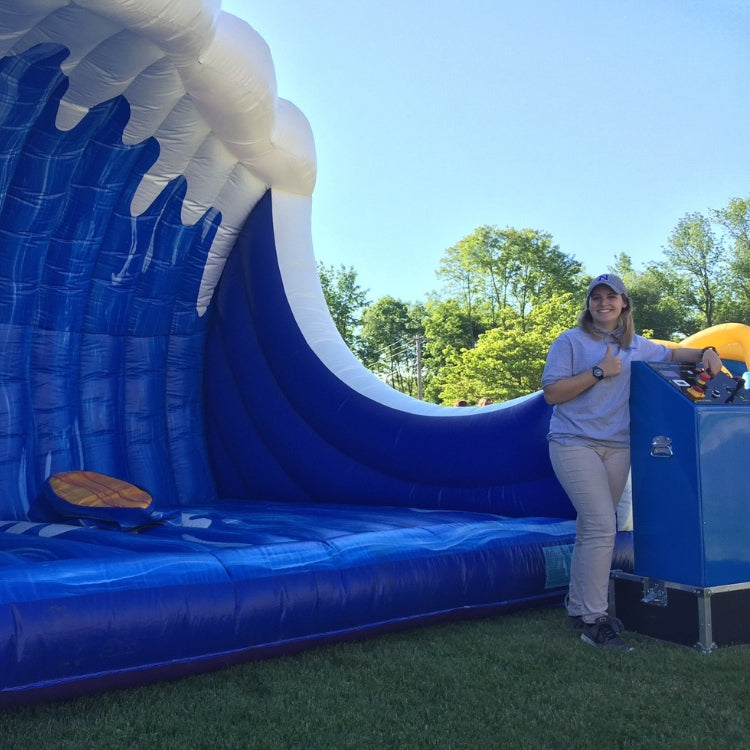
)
(732, 341)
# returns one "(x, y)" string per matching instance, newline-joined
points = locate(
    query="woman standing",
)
(587, 379)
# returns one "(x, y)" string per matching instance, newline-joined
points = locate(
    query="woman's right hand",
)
(611, 364)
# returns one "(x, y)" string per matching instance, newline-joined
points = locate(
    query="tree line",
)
(506, 294)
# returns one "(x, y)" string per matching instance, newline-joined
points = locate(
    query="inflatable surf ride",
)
(194, 469)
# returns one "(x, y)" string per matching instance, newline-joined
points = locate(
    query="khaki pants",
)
(593, 478)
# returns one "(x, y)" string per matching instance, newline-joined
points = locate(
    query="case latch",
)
(661, 447)
(654, 593)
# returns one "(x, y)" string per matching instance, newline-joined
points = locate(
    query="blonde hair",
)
(625, 321)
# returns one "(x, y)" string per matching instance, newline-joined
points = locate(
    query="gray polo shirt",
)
(600, 414)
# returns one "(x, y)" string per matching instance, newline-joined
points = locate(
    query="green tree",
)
(391, 339)
(539, 269)
(490, 280)
(447, 329)
(462, 282)
(345, 299)
(448, 325)
(734, 221)
(655, 294)
(492, 270)
(507, 363)
(694, 249)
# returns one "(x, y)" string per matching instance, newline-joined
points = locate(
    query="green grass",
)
(516, 681)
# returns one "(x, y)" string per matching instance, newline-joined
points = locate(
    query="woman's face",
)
(606, 306)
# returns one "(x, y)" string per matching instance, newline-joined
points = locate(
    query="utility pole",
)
(418, 342)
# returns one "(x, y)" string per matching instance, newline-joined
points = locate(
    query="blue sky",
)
(602, 122)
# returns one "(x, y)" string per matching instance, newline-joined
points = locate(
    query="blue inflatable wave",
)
(162, 323)
(97, 306)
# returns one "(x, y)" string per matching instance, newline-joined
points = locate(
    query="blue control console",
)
(690, 451)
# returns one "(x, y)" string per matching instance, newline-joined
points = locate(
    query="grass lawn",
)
(518, 681)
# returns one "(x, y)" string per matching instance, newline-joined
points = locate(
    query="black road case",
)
(702, 617)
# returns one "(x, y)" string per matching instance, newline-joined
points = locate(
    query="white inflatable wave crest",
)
(198, 80)
(202, 83)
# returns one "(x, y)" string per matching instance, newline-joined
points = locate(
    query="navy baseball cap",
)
(610, 280)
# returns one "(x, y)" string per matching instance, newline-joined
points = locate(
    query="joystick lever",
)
(740, 386)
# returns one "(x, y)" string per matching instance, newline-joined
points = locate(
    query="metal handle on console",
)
(661, 447)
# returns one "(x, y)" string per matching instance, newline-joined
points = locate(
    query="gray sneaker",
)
(603, 633)
(575, 622)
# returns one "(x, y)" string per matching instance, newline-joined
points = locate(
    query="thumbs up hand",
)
(611, 364)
